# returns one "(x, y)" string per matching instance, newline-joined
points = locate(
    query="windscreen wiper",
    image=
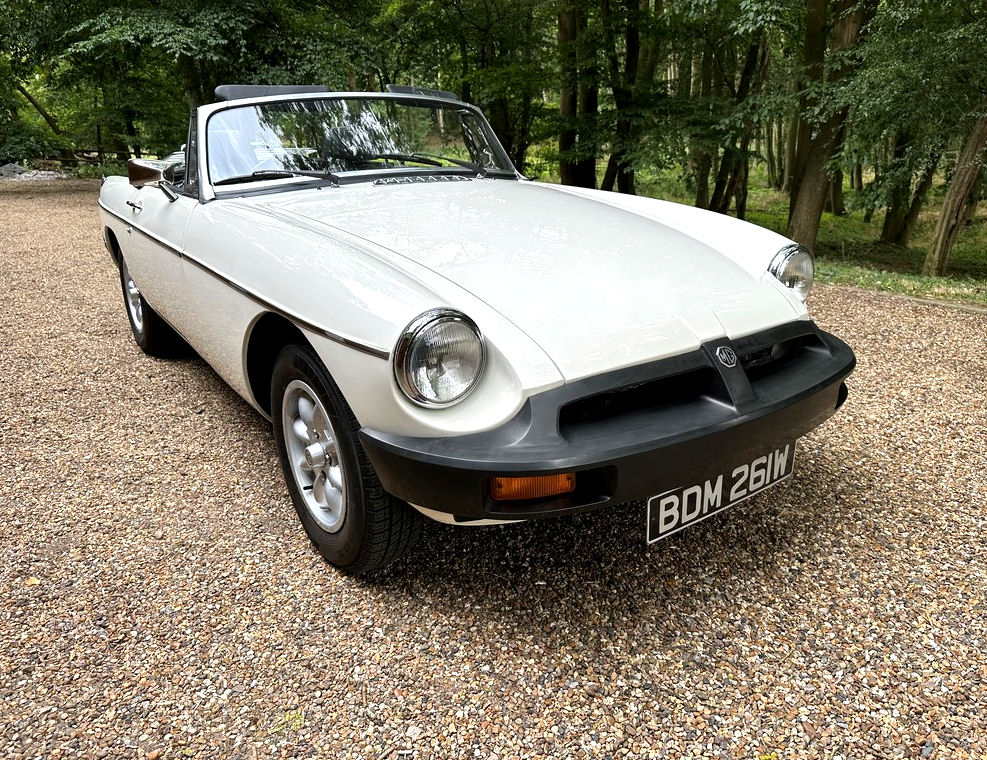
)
(262, 174)
(432, 159)
(483, 171)
(418, 158)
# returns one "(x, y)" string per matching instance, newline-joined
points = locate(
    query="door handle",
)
(135, 205)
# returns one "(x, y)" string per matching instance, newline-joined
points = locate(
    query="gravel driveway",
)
(159, 599)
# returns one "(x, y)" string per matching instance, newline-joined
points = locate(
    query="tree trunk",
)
(585, 165)
(700, 157)
(741, 186)
(809, 181)
(132, 134)
(651, 47)
(523, 132)
(924, 185)
(572, 169)
(640, 62)
(769, 150)
(813, 59)
(619, 170)
(869, 212)
(778, 130)
(834, 197)
(683, 82)
(976, 195)
(725, 180)
(894, 217)
(732, 168)
(191, 81)
(971, 212)
(49, 119)
(791, 140)
(497, 113)
(803, 225)
(950, 217)
(68, 158)
(704, 165)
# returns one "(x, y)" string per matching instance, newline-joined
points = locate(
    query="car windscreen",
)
(342, 135)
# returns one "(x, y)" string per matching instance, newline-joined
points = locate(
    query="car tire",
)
(154, 336)
(355, 524)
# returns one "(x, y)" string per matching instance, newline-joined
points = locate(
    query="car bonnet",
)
(596, 286)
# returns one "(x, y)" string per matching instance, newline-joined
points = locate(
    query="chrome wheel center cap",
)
(317, 457)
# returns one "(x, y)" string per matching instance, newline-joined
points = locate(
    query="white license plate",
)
(673, 510)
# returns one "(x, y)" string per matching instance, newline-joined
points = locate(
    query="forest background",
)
(856, 127)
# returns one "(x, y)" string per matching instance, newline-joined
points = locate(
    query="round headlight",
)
(439, 358)
(793, 265)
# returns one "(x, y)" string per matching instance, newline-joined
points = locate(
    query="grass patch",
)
(848, 250)
(291, 721)
(958, 290)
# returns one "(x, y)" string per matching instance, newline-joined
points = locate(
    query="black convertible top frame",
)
(238, 91)
(401, 89)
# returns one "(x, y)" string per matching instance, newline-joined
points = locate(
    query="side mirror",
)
(174, 173)
(142, 173)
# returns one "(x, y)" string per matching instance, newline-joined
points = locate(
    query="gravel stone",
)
(161, 600)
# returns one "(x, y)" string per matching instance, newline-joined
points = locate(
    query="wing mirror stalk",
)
(166, 188)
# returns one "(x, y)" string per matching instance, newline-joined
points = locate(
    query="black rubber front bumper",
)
(632, 433)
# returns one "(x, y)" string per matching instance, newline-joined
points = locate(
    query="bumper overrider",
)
(632, 433)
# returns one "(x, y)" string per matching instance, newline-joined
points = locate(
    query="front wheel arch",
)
(112, 245)
(269, 335)
(357, 525)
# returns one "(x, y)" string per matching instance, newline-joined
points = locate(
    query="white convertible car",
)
(432, 334)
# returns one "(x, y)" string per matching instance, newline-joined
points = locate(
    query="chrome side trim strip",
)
(366, 348)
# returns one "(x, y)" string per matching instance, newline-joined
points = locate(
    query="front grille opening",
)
(649, 396)
(776, 357)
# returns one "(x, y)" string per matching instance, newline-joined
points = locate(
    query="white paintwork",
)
(564, 283)
(170, 219)
(596, 286)
(347, 286)
(447, 519)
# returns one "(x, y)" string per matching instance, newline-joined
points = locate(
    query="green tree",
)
(831, 33)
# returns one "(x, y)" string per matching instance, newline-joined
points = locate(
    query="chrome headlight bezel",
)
(404, 352)
(784, 268)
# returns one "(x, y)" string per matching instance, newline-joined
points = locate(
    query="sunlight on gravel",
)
(161, 601)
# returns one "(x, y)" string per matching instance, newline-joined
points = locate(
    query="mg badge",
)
(726, 356)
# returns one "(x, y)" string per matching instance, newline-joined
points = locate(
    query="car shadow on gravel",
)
(593, 571)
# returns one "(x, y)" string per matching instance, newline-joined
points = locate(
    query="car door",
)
(157, 241)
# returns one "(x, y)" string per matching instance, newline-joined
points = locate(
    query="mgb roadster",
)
(431, 334)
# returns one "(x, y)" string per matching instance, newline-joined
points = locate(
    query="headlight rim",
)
(778, 264)
(402, 354)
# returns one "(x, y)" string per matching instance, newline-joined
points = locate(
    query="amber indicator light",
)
(537, 487)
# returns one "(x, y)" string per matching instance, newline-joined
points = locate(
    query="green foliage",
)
(919, 83)
(121, 76)
(22, 141)
(96, 171)
(661, 86)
